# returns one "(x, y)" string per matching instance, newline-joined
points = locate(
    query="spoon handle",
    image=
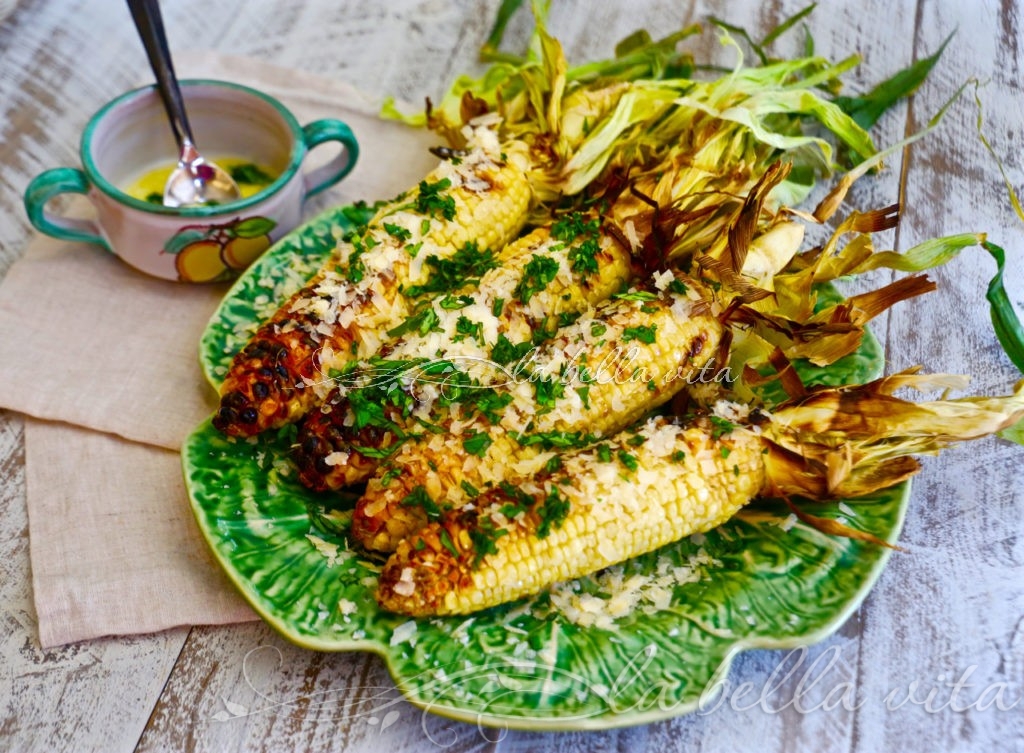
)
(149, 22)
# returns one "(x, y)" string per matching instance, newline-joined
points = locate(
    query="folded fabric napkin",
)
(104, 361)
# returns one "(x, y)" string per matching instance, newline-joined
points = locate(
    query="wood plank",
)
(954, 604)
(245, 688)
(87, 696)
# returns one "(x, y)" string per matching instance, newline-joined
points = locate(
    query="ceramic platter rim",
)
(228, 511)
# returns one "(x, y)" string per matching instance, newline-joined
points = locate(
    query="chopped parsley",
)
(489, 402)
(418, 497)
(355, 270)
(517, 500)
(497, 306)
(433, 202)
(556, 440)
(477, 444)
(457, 386)
(466, 327)
(447, 542)
(390, 475)
(368, 410)
(583, 258)
(584, 392)
(720, 426)
(552, 512)
(423, 322)
(432, 428)
(677, 286)
(377, 453)
(462, 268)
(471, 491)
(374, 404)
(643, 333)
(288, 434)
(575, 226)
(397, 232)
(543, 330)
(547, 391)
(604, 453)
(505, 351)
(539, 271)
(628, 460)
(484, 538)
(568, 317)
(455, 302)
(553, 465)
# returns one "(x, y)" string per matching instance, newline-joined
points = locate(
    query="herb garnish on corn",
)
(591, 380)
(672, 480)
(347, 308)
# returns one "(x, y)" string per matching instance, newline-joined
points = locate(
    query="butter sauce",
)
(250, 177)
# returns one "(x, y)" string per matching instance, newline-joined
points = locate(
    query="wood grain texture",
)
(951, 606)
(103, 689)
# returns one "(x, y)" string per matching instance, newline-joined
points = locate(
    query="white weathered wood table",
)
(933, 660)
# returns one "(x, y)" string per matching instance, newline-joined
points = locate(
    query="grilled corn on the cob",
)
(629, 495)
(594, 378)
(457, 213)
(551, 274)
(652, 486)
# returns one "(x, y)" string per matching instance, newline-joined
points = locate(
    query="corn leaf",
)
(638, 57)
(744, 35)
(868, 108)
(1004, 318)
(1014, 434)
(927, 255)
(788, 24)
(759, 48)
(489, 52)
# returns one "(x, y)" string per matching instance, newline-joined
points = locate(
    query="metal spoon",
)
(195, 180)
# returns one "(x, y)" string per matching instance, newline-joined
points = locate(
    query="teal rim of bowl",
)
(104, 185)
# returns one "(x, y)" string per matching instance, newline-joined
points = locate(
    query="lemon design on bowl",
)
(210, 253)
(200, 262)
(241, 251)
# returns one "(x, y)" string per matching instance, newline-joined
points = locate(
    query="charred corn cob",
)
(554, 272)
(596, 377)
(626, 496)
(646, 488)
(328, 452)
(457, 213)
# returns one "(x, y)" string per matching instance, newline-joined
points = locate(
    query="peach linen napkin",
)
(104, 363)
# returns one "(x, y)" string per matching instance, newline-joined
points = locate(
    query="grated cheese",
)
(404, 633)
(623, 596)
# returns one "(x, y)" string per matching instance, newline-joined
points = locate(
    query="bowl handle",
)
(50, 184)
(325, 176)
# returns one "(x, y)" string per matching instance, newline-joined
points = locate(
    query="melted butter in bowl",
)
(250, 177)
